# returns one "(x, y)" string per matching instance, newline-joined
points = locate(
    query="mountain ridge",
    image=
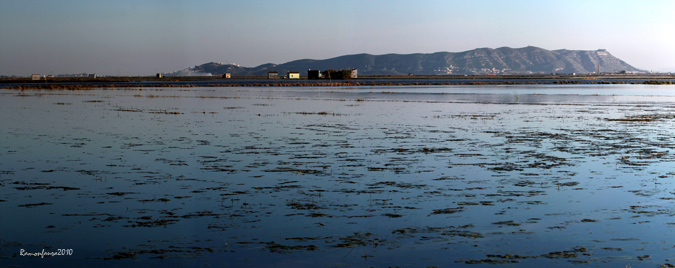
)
(502, 60)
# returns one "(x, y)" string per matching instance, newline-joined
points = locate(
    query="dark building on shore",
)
(314, 74)
(332, 74)
(340, 74)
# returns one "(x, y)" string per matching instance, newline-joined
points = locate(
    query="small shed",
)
(272, 75)
(159, 75)
(35, 77)
(293, 75)
(227, 75)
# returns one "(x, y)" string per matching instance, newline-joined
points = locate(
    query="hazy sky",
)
(150, 36)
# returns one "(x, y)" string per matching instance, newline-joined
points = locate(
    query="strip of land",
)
(82, 83)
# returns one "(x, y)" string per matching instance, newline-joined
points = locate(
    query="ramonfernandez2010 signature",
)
(43, 253)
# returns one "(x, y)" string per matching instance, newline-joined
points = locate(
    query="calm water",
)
(339, 177)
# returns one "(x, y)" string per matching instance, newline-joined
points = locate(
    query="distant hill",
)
(503, 60)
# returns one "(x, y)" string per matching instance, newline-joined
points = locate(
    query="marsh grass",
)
(642, 118)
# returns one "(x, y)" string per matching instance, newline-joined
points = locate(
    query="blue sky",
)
(146, 37)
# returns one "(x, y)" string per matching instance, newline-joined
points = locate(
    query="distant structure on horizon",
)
(35, 77)
(272, 75)
(599, 68)
(293, 75)
(332, 74)
(314, 74)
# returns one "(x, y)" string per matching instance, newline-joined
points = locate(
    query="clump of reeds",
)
(657, 82)
(633, 119)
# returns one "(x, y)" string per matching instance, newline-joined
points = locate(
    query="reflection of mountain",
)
(504, 60)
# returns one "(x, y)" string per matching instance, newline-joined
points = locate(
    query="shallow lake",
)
(548, 176)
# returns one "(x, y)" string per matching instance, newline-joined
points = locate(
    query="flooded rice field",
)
(552, 176)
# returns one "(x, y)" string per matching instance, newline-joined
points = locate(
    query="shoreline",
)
(83, 83)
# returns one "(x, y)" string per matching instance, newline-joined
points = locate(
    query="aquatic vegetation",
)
(278, 248)
(420, 176)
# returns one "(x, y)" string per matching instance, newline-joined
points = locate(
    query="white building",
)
(293, 75)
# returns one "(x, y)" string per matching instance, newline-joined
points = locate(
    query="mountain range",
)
(503, 60)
